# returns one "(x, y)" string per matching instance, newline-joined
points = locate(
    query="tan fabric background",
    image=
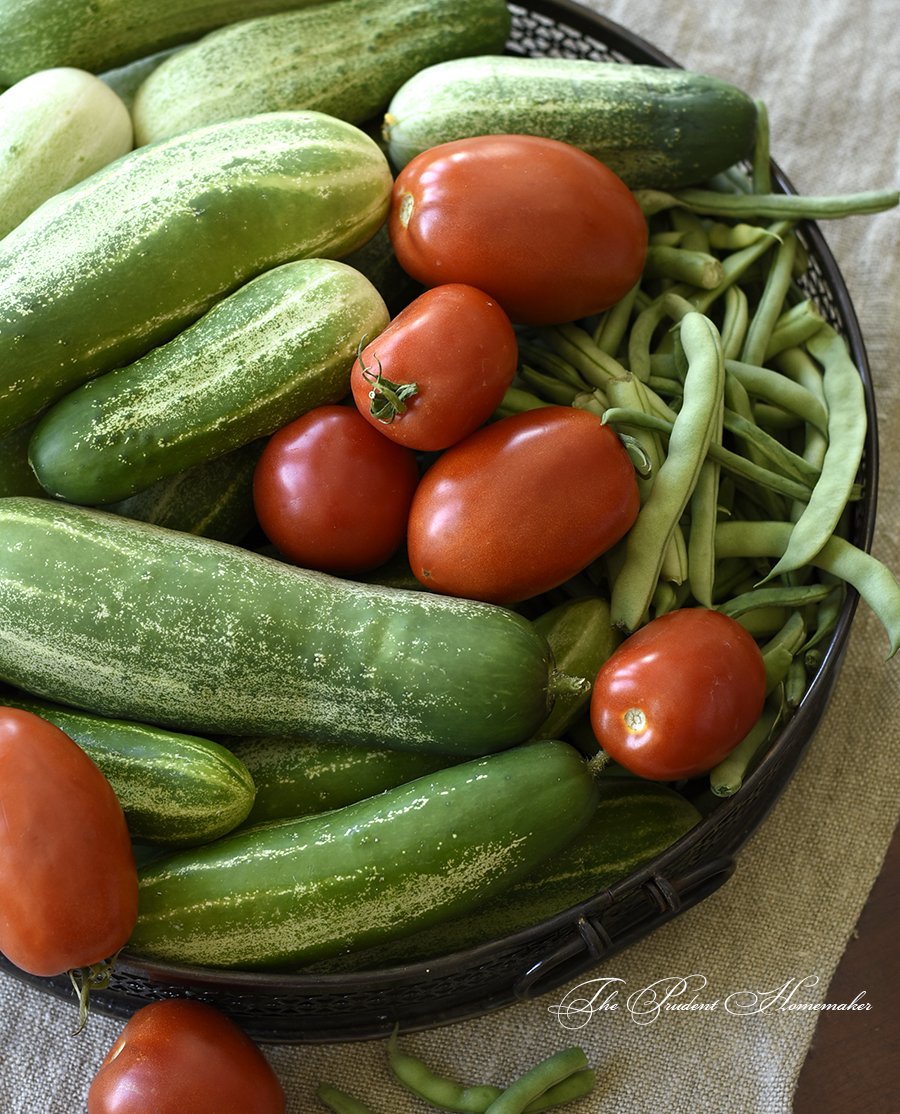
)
(828, 73)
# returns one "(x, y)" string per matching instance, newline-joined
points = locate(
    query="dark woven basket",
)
(328, 1008)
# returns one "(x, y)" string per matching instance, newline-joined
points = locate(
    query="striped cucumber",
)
(127, 619)
(347, 59)
(653, 126)
(296, 891)
(56, 128)
(128, 258)
(295, 777)
(37, 34)
(174, 789)
(634, 822)
(280, 345)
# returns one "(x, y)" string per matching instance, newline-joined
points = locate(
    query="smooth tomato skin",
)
(68, 881)
(521, 505)
(459, 348)
(546, 229)
(180, 1055)
(333, 494)
(699, 680)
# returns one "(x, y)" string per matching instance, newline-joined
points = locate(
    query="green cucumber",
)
(296, 777)
(213, 499)
(37, 34)
(175, 789)
(581, 637)
(56, 128)
(634, 822)
(282, 344)
(655, 127)
(347, 59)
(128, 258)
(127, 619)
(296, 891)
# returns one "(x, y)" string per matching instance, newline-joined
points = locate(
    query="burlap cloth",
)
(829, 74)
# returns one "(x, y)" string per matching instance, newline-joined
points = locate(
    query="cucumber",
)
(38, 34)
(655, 127)
(214, 499)
(56, 128)
(634, 822)
(174, 789)
(128, 258)
(296, 777)
(130, 620)
(280, 345)
(347, 59)
(296, 891)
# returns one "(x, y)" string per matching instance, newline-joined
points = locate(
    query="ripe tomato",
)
(521, 505)
(456, 349)
(679, 694)
(68, 881)
(331, 493)
(541, 226)
(181, 1055)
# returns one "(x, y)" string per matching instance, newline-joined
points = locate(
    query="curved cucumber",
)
(634, 822)
(346, 59)
(296, 777)
(280, 345)
(295, 891)
(37, 34)
(56, 128)
(174, 789)
(654, 127)
(126, 619)
(129, 257)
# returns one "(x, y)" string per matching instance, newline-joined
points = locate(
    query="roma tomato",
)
(679, 694)
(331, 493)
(439, 370)
(541, 226)
(182, 1055)
(68, 881)
(521, 505)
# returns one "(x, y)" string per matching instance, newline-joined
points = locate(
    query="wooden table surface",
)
(854, 1065)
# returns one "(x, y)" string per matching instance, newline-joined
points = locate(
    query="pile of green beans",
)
(560, 1078)
(746, 418)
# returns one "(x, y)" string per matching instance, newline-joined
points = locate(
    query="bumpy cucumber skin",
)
(214, 499)
(655, 127)
(56, 128)
(295, 891)
(132, 255)
(175, 789)
(346, 59)
(634, 822)
(37, 34)
(297, 777)
(126, 619)
(280, 345)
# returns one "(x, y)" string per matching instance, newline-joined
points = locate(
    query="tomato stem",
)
(86, 979)
(387, 398)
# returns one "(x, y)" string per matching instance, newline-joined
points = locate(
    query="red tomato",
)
(541, 226)
(331, 493)
(180, 1055)
(456, 349)
(68, 881)
(521, 505)
(679, 694)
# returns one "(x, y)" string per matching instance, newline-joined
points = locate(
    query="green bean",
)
(551, 363)
(732, 237)
(771, 302)
(595, 401)
(674, 567)
(795, 683)
(875, 583)
(689, 440)
(737, 264)
(340, 1102)
(777, 596)
(795, 326)
(827, 614)
(728, 776)
(779, 652)
(515, 401)
(692, 229)
(769, 206)
(761, 177)
(611, 329)
(704, 513)
(780, 390)
(681, 265)
(577, 347)
(537, 1080)
(847, 421)
(643, 328)
(737, 402)
(548, 386)
(735, 321)
(627, 392)
(765, 445)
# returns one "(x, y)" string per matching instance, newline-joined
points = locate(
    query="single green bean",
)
(733, 237)
(728, 776)
(339, 1101)
(770, 206)
(681, 265)
(827, 615)
(611, 329)
(774, 451)
(537, 1080)
(692, 229)
(795, 683)
(781, 391)
(875, 583)
(548, 386)
(795, 326)
(734, 321)
(645, 325)
(777, 596)
(779, 652)
(737, 265)
(771, 302)
(515, 401)
(761, 177)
